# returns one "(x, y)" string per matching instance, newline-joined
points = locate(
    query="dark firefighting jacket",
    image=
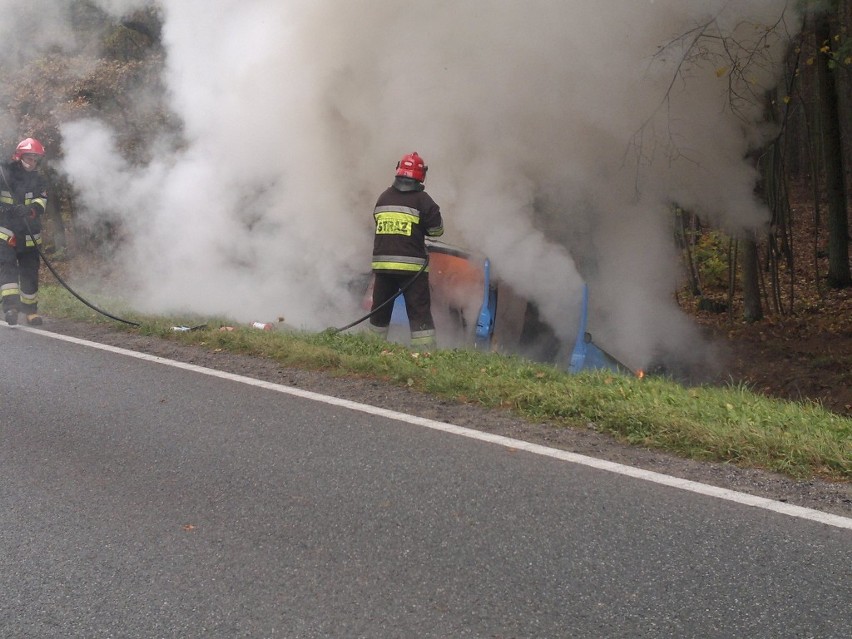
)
(21, 190)
(405, 215)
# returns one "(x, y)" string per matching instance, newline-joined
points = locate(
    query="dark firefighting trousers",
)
(19, 278)
(417, 304)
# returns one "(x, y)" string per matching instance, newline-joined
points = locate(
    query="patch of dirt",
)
(829, 497)
(801, 357)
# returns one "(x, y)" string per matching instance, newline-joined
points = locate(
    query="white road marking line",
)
(575, 458)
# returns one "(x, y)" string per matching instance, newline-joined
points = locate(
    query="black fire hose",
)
(402, 289)
(65, 284)
(331, 331)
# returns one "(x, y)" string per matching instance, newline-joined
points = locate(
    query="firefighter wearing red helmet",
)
(404, 216)
(23, 200)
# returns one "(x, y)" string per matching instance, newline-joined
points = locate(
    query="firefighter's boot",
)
(423, 340)
(11, 316)
(34, 319)
(379, 331)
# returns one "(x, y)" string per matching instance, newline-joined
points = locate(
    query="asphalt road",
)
(141, 500)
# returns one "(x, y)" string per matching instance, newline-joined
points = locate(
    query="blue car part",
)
(586, 354)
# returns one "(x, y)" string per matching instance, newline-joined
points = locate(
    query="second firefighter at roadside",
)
(23, 200)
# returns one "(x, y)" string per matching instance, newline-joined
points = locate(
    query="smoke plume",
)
(558, 136)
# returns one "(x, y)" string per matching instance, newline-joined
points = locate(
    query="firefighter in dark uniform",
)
(405, 215)
(23, 200)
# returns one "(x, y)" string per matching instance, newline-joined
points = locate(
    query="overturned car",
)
(471, 308)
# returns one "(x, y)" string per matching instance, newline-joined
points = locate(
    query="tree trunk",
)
(752, 308)
(839, 274)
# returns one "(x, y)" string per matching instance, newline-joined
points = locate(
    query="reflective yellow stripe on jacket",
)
(398, 263)
(41, 201)
(6, 198)
(32, 240)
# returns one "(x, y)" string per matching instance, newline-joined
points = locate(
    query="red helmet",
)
(30, 145)
(412, 166)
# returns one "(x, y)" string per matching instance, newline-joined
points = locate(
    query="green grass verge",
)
(728, 424)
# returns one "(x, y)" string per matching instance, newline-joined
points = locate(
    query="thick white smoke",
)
(557, 140)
